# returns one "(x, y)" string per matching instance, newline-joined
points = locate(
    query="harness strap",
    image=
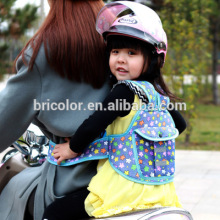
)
(145, 152)
(97, 150)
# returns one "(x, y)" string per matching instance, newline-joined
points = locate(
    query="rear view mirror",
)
(33, 135)
(29, 137)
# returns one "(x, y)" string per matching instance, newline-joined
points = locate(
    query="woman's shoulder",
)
(40, 65)
(41, 55)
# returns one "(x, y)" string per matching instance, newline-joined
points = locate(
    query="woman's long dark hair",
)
(152, 66)
(72, 46)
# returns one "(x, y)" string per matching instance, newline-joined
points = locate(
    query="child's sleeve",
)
(92, 127)
(178, 120)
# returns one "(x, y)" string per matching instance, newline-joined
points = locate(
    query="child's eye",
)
(114, 51)
(131, 52)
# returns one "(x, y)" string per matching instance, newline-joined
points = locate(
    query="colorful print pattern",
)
(96, 150)
(145, 153)
(148, 90)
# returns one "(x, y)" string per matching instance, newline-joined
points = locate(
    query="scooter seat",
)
(163, 213)
(128, 215)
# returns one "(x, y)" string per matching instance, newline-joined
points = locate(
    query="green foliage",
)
(13, 25)
(5, 14)
(186, 24)
(214, 9)
(5, 6)
(4, 64)
(206, 130)
(22, 20)
(215, 37)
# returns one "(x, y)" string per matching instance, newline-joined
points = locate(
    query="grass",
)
(206, 130)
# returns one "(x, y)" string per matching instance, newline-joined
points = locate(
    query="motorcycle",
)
(31, 150)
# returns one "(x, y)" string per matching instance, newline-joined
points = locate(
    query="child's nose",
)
(121, 58)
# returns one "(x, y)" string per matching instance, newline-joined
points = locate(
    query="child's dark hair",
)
(152, 65)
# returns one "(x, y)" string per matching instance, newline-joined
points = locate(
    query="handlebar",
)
(21, 149)
(33, 148)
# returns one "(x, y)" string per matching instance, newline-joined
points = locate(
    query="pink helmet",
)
(143, 23)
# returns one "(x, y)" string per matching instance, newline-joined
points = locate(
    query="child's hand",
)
(63, 152)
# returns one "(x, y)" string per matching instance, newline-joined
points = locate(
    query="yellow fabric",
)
(110, 193)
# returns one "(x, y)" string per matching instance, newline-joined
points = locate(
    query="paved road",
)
(198, 183)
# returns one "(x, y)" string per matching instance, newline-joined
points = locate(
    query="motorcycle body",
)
(29, 151)
(32, 151)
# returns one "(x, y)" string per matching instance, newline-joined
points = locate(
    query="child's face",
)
(126, 64)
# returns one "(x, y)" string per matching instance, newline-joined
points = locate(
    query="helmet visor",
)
(149, 22)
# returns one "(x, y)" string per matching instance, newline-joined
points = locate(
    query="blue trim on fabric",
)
(139, 168)
(128, 129)
(136, 156)
(157, 139)
(52, 143)
(101, 139)
(141, 174)
(168, 100)
(169, 178)
(80, 161)
(158, 101)
(104, 135)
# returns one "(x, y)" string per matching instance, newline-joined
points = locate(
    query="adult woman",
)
(59, 63)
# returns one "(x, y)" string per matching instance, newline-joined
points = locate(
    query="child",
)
(135, 60)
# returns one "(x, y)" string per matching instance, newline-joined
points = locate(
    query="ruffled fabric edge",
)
(94, 207)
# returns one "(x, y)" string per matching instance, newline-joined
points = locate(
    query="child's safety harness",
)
(145, 153)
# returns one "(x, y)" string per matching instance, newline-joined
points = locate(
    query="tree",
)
(186, 24)
(13, 25)
(21, 20)
(5, 6)
(215, 33)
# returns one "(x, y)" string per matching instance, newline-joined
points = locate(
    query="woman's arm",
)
(17, 103)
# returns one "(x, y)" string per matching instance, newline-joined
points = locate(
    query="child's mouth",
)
(122, 70)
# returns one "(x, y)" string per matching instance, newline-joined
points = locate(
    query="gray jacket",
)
(29, 97)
